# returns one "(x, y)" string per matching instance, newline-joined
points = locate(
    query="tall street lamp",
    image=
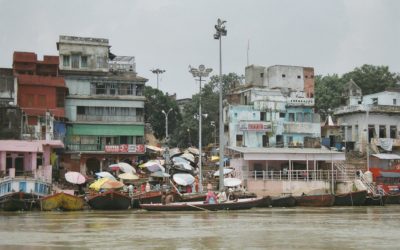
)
(157, 72)
(201, 72)
(220, 31)
(166, 138)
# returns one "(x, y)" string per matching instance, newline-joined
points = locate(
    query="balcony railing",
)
(299, 175)
(108, 118)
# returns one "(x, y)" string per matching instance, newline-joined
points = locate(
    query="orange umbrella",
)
(111, 184)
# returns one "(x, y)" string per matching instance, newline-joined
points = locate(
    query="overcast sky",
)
(331, 36)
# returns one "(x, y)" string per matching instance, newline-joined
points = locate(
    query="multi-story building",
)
(273, 114)
(274, 134)
(105, 105)
(370, 120)
(40, 93)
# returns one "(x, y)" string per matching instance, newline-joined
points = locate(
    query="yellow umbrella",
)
(97, 184)
(214, 158)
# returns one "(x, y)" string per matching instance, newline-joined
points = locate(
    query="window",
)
(374, 100)
(65, 61)
(29, 99)
(355, 132)
(42, 101)
(84, 61)
(300, 117)
(131, 88)
(75, 61)
(261, 75)
(394, 101)
(283, 75)
(299, 77)
(263, 116)
(80, 110)
(100, 88)
(265, 140)
(239, 140)
(113, 89)
(60, 97)
(281, 115)
(291, 117)
(307, 117)
(393, 132)
(101, 61)
(382, 131)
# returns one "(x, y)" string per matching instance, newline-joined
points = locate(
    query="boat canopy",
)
(390, 174)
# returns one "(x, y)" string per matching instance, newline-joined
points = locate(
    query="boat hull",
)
(323, 200)
(109, 200)
(351, 199)
(265, 202)
(201, 206)
(62, 201)
(283, 201)
(393, 199)
(19, 201)
(375, 200)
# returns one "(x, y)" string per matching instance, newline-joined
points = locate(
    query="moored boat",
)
(201, 206)
(146, 198)
(265, 202)
(109, 200)
(375, 200)
(319, 200)
(283, 201)
(62, 201)
(393, 199)
(18, 201)
(351, 199)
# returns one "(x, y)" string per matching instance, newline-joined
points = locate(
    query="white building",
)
(375, 120)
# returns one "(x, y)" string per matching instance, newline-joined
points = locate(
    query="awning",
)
(390, 174)
(387, 156)
(106, 130)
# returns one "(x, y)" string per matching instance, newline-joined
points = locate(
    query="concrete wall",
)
(254, 75)
(384, 98)
(296, 188)
(281, 76)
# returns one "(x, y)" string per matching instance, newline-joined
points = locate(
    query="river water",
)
(272, 228)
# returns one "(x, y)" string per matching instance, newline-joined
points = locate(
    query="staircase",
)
(346, 172)
(371, 188)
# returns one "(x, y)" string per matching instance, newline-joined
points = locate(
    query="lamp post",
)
(157, 72)
(166, 138)
(220, 31)
(201, 72)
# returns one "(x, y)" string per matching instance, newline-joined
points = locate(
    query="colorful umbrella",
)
(226, 171)
(123, 166)
(105, 175)
(232, 182)
(111, 184)
(160, 174)
(97, 184)
(128, 176)
(183, 179)
(194, 151)
(154, 166)
(75, 177)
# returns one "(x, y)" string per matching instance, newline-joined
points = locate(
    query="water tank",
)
(368, 176)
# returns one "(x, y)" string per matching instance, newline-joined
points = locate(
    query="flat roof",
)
(387, 156)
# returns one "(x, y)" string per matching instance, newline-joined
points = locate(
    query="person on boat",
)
(169, 198)
(148, 188)
(130, 190)
(143, 187)
(211, 198)
(196, 183)
(222, 197)
(188, 189)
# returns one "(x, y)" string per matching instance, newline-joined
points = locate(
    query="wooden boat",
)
(319, 200)
(31, 190)
(265, 202)
(393, 199)
(377, 200)
(283, 201)
(17, 201)
(192, 197)
(201, 206)
(351, 199)
(62, 201)
(110, 200)
(146, 198)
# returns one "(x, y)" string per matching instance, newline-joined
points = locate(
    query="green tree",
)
(328, 93)
(372, 79)
(156, 101)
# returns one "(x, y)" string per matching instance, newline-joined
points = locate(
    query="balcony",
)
(108, 118)
(371, 108)
(378, 141)
(292, 101)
